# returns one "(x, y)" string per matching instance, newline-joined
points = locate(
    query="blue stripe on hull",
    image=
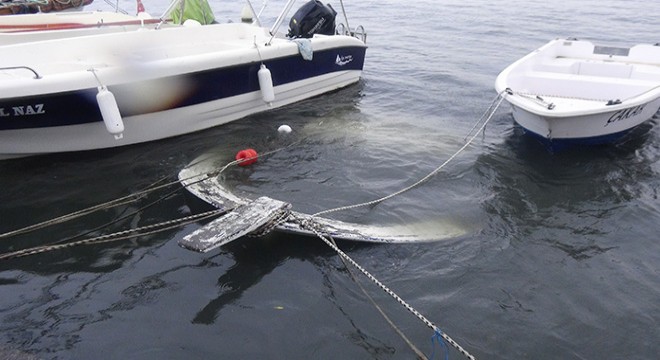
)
(79, 107)
(555, 145)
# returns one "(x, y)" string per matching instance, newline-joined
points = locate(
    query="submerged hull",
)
(574, 93)
(166, 83)
(211, 191)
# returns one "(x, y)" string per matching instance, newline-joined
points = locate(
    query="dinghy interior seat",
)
(592, 68)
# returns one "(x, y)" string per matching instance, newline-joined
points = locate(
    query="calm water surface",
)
(559, 257)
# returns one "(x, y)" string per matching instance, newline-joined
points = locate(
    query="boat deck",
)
(140, 54)
(578, 83)
(630, 69)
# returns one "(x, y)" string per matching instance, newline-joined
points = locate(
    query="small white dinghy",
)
(571, 92)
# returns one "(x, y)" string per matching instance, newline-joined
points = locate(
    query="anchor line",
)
(280, 218)
(119, 217)
(403, 336)
(121, 235)
(315, 227)
(327, 239)
(491, 110)
(65, 243)
(80, 213)
(112, 203)
(191, 180)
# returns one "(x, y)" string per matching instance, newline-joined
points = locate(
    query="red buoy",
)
(246, 157)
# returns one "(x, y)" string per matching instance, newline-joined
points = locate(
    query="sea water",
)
(558, 257)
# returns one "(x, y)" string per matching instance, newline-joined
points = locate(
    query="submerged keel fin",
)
(242, 221)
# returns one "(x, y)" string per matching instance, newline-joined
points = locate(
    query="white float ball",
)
(284, 129)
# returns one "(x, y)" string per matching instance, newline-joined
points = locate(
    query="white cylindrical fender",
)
(266, 84)
(110, 112)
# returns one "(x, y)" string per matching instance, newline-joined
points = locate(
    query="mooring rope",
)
(313, 227)
(121, 235)
(77, 214)
(197, 178)
(310, 225)
(189, 181)
(490, 111)
(403, 336)
(498, 100)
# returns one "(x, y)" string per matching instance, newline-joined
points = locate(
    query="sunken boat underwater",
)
(572, 92)
(256, 215)
(126, 87)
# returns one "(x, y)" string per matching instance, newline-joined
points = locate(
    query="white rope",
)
(194, 179)
(425, 178)
(191, 180)
(313, 227)
(308, 224)
(121, 235)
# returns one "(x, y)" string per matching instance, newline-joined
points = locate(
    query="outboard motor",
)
(312, 18)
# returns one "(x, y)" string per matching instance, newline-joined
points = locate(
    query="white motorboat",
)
(571, 91)
(109, 90)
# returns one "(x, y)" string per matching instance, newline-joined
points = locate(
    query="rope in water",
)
(312, 227)
(307, 224)
(498, 100)
(194, 179)
(403, 336)
(121, 235)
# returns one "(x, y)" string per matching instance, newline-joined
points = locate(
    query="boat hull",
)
(558, 133)
(210, 190)
(175, 96)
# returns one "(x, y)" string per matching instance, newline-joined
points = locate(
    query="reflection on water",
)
(251, 265)
(569, 200)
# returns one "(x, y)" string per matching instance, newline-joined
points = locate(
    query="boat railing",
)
(163, 18)
(115, 5)
(358, 33)
(254, 14)
(36, 74)
(342, 29)
(280, 18)
(652, 90)
(541, 96)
